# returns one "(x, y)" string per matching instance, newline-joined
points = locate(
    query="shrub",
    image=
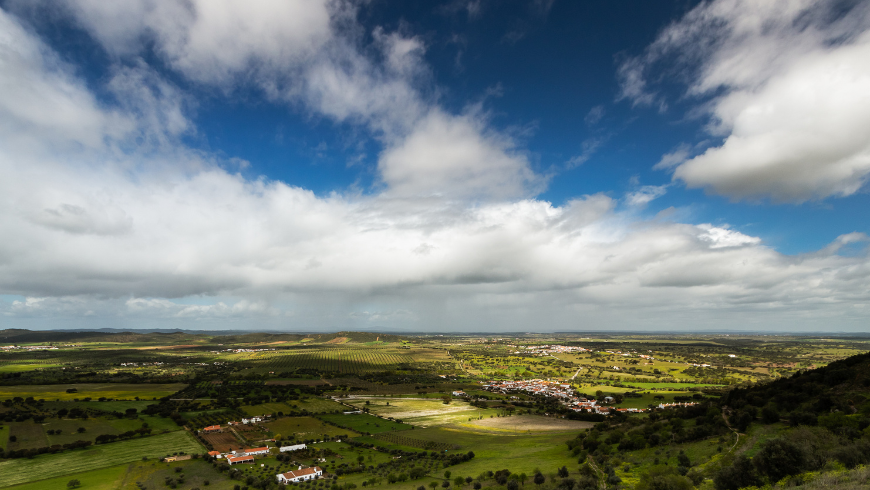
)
(740, 474)
(779, 458)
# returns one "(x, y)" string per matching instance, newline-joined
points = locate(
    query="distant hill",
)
(21, 336)
(842, 386)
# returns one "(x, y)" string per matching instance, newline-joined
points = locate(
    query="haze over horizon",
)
(480, 166)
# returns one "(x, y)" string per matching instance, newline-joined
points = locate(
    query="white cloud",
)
(669, 160)
(645, 195)
(212, 41)
(594, 115)
(787, 82)
(43, 105)
(452, 156)
(588, 148)
(311, 53)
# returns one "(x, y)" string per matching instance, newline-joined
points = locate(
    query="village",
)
(568, 396)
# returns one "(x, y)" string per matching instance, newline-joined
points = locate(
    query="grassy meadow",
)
(93, 391)
(14, 471)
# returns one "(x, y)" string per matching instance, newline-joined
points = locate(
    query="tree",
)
(523, 478)
(779, 458)
(433, 485)
(539, 479)
(563, 472)
(769, 415)
(663, 478)
(683, 460)
(740, 474)
(458, 481)
(73, 483)
(447, 474)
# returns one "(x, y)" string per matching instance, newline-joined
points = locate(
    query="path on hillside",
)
(725, 418)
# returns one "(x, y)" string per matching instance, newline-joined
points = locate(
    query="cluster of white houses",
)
(555, 348)
(563, 392)
(28, 347)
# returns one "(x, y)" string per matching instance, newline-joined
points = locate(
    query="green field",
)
(671, 386)
(647, 399)
(312, 405)
(102, 479)
(4, 436)
(427, 412)
(90, 390)
(106, 406)
(14, 471)
(520, 453)
(17, 368)
(305, 428)
(364, 423)
(31, 435)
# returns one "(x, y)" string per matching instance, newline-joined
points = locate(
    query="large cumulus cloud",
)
(785, 84)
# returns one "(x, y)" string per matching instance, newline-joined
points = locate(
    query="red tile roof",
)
(302, 472)
(239, 459)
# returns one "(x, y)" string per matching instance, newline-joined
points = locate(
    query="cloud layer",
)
(785, 85)
(106, 214)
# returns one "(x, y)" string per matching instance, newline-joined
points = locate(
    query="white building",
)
(254, 450)
(302, 474)
(296, 447)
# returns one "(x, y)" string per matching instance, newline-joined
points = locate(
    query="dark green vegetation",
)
(103, 408)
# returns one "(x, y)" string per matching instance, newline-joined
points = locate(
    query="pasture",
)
(427, 412)
(522, 453)
(529, 423)
(364, 423)
(90, 390)
(30, 435)
(312, 405)
(305, 428)
(14, 471)
(102, 479)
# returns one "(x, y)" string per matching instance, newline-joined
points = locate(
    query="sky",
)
(453, 166)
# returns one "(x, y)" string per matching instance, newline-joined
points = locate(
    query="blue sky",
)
(435, 166)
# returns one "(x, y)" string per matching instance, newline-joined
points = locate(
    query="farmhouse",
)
(458, 393)
(301, 474)
(212, 428)
(256, 450)
(240, 459)
(295, 447)
(215, 454)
